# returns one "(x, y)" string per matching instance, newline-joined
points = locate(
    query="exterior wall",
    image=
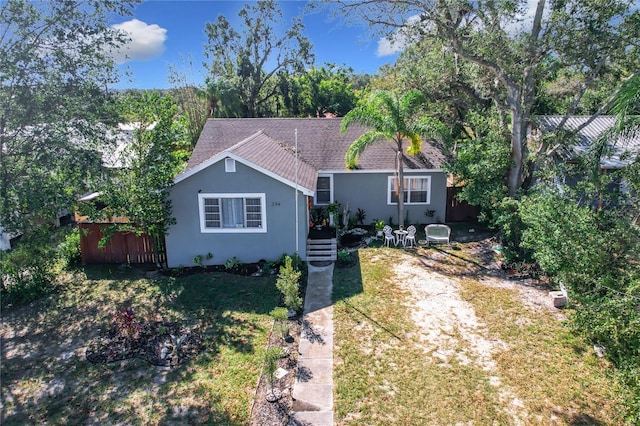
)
(368, 191)
(185, 240)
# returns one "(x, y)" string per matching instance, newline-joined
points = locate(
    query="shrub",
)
(126, 322)
(279, 314)
(27, 272)
(289, 286)
(344, 256)
(231, 263)
(271, 357)
(296, 261)
(69, 249)
(591, 253)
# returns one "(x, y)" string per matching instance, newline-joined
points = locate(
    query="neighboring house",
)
(615, 156)
(618, 153)
(246, 194)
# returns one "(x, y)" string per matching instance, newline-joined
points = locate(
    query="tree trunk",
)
(400, 167)
(518, 136)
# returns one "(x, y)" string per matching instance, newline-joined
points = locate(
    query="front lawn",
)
(437, 336)
(47, 379)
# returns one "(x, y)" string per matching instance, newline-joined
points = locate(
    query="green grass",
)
(382, 376)
(44, 345)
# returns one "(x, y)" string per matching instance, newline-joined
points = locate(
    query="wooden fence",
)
(123, 247)
(459, 211)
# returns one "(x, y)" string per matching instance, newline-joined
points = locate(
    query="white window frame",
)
(263, 212)
(315, 196)
(391, 189)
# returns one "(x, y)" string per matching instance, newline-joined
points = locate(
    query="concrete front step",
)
(322, 250)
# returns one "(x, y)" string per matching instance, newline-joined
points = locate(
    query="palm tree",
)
(393, 118)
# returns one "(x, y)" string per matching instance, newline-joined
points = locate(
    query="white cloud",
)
(399, 40)
(387, 47)
(146, 41)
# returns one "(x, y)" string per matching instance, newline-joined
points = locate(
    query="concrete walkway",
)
(313, 388)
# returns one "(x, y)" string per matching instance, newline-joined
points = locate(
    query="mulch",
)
(278, 412)
(147, 344)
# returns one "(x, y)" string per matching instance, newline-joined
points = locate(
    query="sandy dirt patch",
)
(448, 326)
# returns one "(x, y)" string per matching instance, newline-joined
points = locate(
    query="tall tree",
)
(513, 44)
(191, 101)
(252, 61)
(55, 67)
(223, 99)
(396, 119)
(319, 91)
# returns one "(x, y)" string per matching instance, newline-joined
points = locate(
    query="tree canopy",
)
(254, 60)
(517, 49)
(54, 57)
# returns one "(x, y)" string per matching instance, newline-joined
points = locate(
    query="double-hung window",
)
(232, 212)
(417, 190)
(324, 190)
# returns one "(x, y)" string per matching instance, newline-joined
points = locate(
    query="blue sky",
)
(168, 33)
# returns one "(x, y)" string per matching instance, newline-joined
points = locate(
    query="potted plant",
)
(317, 217)
(332, 210)
(379, 226)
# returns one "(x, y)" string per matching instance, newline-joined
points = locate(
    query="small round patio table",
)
(401, 236)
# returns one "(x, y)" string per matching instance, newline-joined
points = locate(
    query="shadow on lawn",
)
(47, 379)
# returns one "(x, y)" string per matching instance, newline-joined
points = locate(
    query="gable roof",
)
(268, 156)
(321, 144)
(590, 134)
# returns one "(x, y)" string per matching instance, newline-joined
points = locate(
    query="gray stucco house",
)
(246, 194)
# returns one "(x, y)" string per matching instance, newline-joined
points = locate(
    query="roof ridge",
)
(246, 140)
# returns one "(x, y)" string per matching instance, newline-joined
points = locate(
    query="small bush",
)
(232, 263)
(27, 273)
(69, 249)
(289, 286)
(126, 322)
(279, 314)
(296, 261)
(271, 358)
(344, 256)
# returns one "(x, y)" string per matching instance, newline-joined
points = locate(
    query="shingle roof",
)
(588, 135)
(275, 157)
(321, 144)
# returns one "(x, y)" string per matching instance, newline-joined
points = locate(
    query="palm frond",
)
(364, 115)
(359, 146)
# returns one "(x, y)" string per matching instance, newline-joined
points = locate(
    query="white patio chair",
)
(410, 238)
(388, 236)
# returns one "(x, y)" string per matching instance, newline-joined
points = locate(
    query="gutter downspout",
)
(296, 195)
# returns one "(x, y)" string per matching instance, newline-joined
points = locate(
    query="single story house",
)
(619, 151)
(248, 191)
